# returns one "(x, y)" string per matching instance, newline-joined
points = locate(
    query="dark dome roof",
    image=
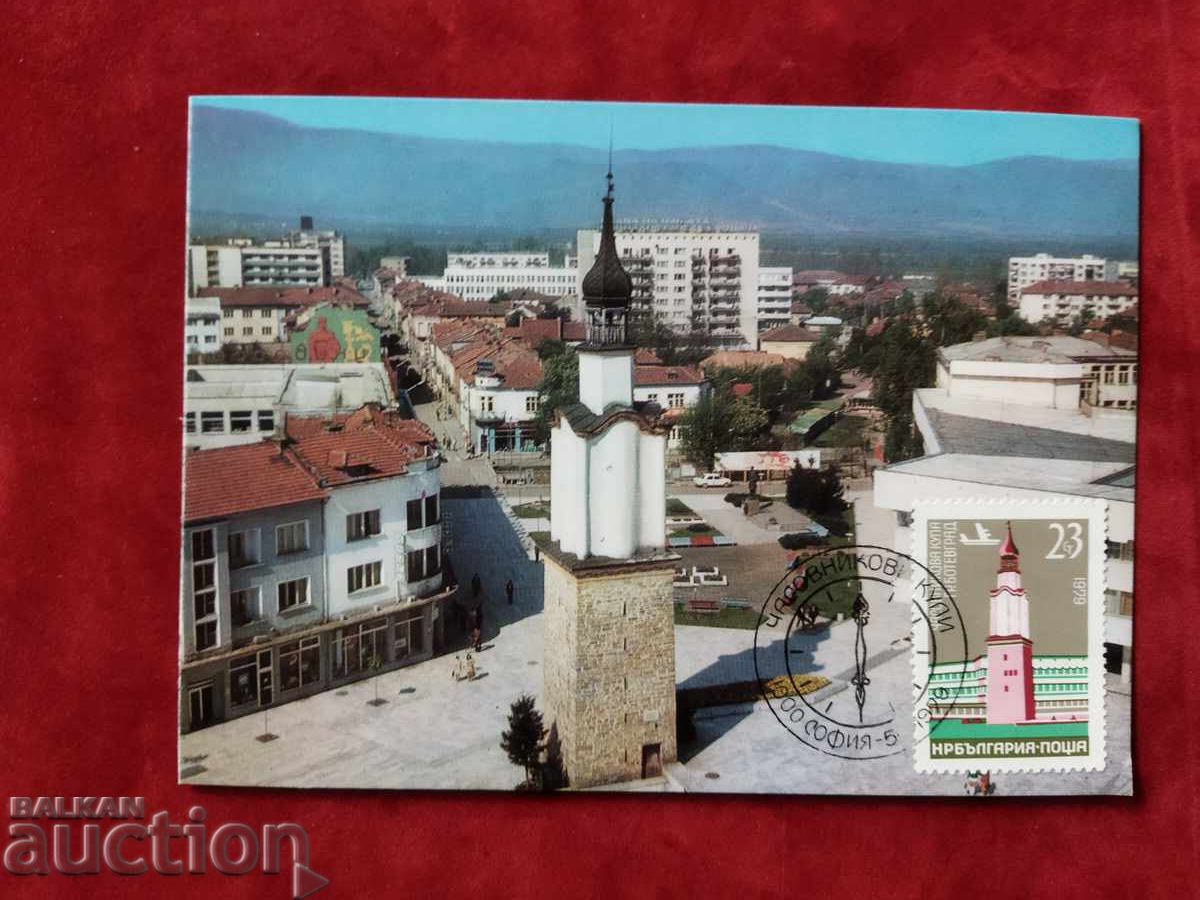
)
(607, 284)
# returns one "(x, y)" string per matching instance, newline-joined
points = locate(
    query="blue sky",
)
(950, 137)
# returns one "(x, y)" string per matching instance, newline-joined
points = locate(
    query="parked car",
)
(712, 479)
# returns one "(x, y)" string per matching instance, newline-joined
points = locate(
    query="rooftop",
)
(982, 437)
(1082, 288)
(648, 375)
(1115, 426)
(790, 334)
(229, 480)
(285, 298)
(1086, 478)
(321, 452)
(1033, 349)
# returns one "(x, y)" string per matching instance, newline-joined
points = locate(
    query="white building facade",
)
(1027, 270)
(1061, 301)
(480, 276)
(774, 296)
(240, 263)
(691, 279)
(202, 325)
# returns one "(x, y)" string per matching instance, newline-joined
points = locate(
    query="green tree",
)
(816, 491)
(559, 386)
(816, 299)
(522, 742)
(719, 423)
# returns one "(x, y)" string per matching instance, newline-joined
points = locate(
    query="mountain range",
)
(251, 164)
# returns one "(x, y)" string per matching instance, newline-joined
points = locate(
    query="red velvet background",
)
(93, 151)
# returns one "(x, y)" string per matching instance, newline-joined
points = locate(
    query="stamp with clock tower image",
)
(1022, 688)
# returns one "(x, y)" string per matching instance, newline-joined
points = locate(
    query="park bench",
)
(703, 606)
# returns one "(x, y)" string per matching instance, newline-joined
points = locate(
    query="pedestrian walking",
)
(476, 639)
(508, 590)
(470, 667)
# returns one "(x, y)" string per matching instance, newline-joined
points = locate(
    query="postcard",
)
(567, 446)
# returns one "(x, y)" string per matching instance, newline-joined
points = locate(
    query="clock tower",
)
(1009, 646)
(609, 617)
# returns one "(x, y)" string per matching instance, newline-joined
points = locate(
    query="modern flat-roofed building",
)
(480, 276)
(240, 263)
(1027, 270)
(333, 242)
(308, 563)
(1014, 417)
(691, 278)
(241, 404)
(1060, 372)
(202, 325)
(774, 296)
(1060, 301)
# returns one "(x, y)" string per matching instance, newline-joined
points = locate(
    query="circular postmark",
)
(846, 651)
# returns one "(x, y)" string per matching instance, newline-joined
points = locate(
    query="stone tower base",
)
(610, 665)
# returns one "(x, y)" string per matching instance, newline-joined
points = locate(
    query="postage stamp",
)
(1022, 688)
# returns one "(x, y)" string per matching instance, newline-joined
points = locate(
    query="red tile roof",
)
(285, 298)
(645, 356)
(1082, 288)
(790, 334)
(573, 331)
(229, 480)
(649, 376)
(736, 359)
(322, 452)
(367, 444)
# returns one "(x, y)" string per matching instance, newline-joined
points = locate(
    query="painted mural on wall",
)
(331, 334)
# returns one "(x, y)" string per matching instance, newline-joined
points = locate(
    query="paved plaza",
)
(438, 733)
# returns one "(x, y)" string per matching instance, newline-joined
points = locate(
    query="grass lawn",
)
(847, 431)
(537, 510)
(696, 530)
(676, 507)
(728, 617)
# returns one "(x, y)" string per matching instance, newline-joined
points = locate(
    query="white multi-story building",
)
(1027, 270)
(1061, 301)
(240, 263)
(309, 563)
(202, 328)
(241, 404)
(331, 241)
(480, 276)
(774, 296)
(691, 279)
(1016, 417)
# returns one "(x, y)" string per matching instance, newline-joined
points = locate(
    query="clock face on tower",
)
(833, 651)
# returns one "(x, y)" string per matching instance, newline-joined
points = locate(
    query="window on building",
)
(362, 525)
(300, 663)
(229, 332)
(212, 422)
(264, 314)
(414, 513)
(266, 330)
(210, 339)
(1122, 550)
(244, 605)
(189, 423)
(292, 593)
(206, 635)
(244, 548)
(532, 402)
(408, 634)
(423, 564)
(675, 401)
(487, 403)
(291, 538)
(243, 681)
(204, 587)
(360, 578)
(227, 313)
(247, 313)
(431, 510)
(241, 420)
(266, 420)
(248, 331)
